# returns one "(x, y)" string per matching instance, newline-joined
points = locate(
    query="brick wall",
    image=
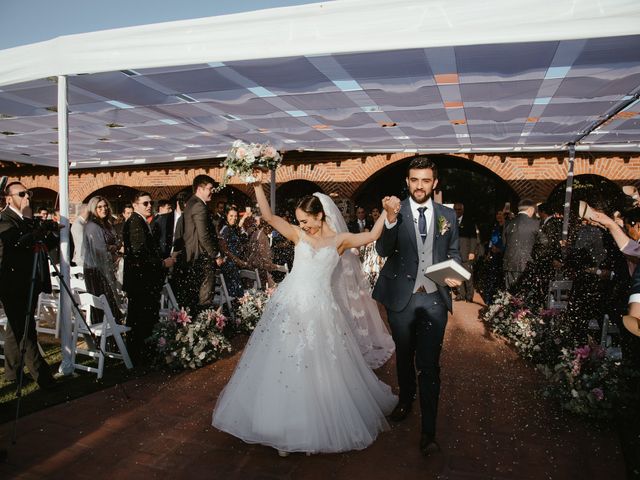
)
(529, 175)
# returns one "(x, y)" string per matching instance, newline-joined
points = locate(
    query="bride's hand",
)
(258, 175)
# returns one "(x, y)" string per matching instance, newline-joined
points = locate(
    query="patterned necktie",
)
(422, 223)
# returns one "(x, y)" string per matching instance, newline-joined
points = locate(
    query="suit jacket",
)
(547, 247)
(468, 238)
(397, 278)
(162, 228)
(199, 236)
(520, 235)
(354, 227)
(17, 240)
(143, 268)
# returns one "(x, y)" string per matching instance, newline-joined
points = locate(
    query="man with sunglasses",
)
(144, 274)
(18, 236)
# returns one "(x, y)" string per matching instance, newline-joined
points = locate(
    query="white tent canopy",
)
(355, 75)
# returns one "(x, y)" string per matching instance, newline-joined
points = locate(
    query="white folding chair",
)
(103, 330)
(606, 341)
(168, 300)
(559, 291)
(48, 303)
(221, 294)
(253, 276)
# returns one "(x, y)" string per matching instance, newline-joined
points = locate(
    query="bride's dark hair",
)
(311, 205)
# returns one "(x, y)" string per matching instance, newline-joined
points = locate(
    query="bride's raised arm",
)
(278, 223)
(355, 240)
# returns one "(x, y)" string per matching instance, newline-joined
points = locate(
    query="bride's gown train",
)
(302, 384)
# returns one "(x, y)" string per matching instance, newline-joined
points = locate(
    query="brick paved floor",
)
(491, 425)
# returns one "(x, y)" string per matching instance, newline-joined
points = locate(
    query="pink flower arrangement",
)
(182, 317)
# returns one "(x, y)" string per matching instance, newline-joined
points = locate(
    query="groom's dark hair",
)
(423, 162)
(311, 205)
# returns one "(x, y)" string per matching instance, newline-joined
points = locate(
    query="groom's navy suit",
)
(417, 320)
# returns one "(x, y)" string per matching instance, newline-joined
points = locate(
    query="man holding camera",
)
(18, 237)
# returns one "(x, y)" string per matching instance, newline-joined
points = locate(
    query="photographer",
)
(18, 236)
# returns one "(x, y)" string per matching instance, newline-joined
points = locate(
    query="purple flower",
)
(598, 394)
(583, 352)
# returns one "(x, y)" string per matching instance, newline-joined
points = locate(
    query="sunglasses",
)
(24, 193)
(147, 203)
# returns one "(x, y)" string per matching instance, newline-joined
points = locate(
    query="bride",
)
(302, 384)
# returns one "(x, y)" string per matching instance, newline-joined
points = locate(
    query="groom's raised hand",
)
(392, 207)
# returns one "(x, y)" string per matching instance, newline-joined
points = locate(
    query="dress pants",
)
(143, 313)
(201, 282)
(418, 332)
(15, 306)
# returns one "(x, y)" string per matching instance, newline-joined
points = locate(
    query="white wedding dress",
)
(302, 384)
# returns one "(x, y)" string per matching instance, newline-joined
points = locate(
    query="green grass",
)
(72, 386)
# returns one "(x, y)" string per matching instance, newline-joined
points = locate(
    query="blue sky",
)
(28, 21)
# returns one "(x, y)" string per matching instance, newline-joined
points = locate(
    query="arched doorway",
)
(288, 194)
(44, 198)
(117, 195)
(460, 180)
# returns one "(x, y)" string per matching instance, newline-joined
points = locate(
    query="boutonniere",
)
(443, 225)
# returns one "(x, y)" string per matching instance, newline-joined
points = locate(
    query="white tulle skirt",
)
(302, 384)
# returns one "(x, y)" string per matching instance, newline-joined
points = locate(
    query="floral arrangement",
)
(243, 158)
(587, 381)
(181, 342)
(250, 308)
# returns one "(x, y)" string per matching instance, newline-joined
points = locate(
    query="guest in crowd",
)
(219, 215)
(100, 255)
(43, 213)
(519, 236)
(283, 249)
(144, 274)
(164, 223)
(469, 245)
(77, 234)
(18, 236)
(259, 254)
(125, 213)
(362, 223)
(164, 206)
(200, 245)
(599, 272)
(232, 245)
(375, 214)
(546, 257)
(494, 277)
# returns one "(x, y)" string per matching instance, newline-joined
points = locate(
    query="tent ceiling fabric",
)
(512, 96)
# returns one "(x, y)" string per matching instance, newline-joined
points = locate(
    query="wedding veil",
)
(351, 291)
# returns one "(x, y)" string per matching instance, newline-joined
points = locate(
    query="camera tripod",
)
(40, 259)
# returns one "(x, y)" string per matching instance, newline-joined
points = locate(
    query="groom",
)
(418, 233)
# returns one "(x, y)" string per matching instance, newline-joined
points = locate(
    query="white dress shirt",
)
(428, 213)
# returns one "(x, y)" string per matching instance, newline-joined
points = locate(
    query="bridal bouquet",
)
(250, 308)
(180, 341)
(243, 158)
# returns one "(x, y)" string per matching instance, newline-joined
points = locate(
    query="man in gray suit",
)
(469, 244)
(519, 237)
(418, 233)
(200, 245)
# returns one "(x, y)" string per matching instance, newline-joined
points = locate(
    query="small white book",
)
(447, 269)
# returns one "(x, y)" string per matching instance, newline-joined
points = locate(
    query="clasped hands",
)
(392, 207)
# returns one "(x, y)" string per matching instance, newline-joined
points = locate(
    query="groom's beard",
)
(425, 196)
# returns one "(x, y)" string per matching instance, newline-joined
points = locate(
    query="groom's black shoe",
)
(428, 445)
(401, 412)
